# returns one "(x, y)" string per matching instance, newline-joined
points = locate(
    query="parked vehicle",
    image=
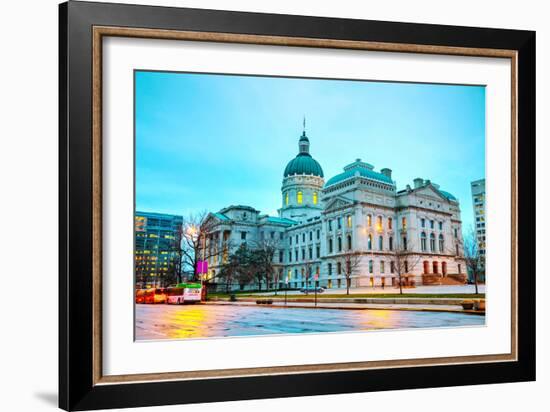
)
(311, 289)
(184, 293)
(155, 295)
(140, 295)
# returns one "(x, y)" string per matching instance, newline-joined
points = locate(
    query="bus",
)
(140, 295)
(155, 295)
(184, 293)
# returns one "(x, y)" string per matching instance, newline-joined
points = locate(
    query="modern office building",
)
(358, 213)
(157, 238)
(478, 201)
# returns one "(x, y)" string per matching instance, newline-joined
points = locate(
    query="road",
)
(211, 320)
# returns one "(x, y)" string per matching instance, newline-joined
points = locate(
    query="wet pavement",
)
(205, 320)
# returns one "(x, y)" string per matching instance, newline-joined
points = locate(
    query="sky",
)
(204, 141)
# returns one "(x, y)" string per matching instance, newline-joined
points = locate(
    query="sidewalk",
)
(353, 306)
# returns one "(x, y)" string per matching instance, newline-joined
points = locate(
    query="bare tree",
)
(403, 262)
(265, 251)
(308, 268)
(351, 264)
(474, 260)
(194, 247)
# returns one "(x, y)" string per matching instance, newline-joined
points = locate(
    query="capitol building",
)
(358, 212)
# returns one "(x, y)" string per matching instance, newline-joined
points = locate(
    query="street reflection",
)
(204, 320)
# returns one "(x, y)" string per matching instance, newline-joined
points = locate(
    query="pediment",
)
(430, 192)
(338, 203)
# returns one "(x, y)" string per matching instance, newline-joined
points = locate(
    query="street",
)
(211, 320)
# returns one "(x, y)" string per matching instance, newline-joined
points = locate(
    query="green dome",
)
(303, 164)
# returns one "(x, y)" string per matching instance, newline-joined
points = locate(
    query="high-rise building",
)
(478, 200)
(157, 242)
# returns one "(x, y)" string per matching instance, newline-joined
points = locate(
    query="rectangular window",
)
(330, 225)
(281, 256)
(310, 252)
(431, 224)
(317, 251)
(290, 256)
(318, 234)
(392, 267)
(440, 225)
(303, 237)
(369, 220)
(349, 220)
(404, 223)
(290, 240)
(243, 235)
(423, 222)
(382, 267)
(272, 235)
(339, 223)
(311, 235)
(390, 223)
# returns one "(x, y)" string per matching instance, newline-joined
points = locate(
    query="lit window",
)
(404, 223)
(349, 220)
(299, 198)
(315, 198)
(390, 223)
(286, 198)
(369, 220)
(379, 223)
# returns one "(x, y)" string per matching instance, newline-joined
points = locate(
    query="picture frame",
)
(82, 28)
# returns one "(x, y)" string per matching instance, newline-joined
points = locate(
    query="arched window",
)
(339, 244)
(349, 220)
(315, 198)
(390, 223)
(441, 243)
(286, 198)
(380, 242)
(404, 242)
(423, 241)
(299, 198)
(339, 268)
(371, 266)
(369, 243)
(435, 267)
(390, 243)
(432, 242)
(330, 269)
(379, 223)
(349, 242)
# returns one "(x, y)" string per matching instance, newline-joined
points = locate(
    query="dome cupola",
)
(303, 163)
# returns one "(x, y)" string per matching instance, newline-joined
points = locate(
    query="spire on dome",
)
(303, 143)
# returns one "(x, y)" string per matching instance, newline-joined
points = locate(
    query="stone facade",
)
(357, 213)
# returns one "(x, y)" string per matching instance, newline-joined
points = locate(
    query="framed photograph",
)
(256, 206)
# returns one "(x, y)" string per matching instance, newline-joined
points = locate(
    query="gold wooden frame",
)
(101, 31)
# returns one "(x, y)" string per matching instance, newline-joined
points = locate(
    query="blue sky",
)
(205, 141)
